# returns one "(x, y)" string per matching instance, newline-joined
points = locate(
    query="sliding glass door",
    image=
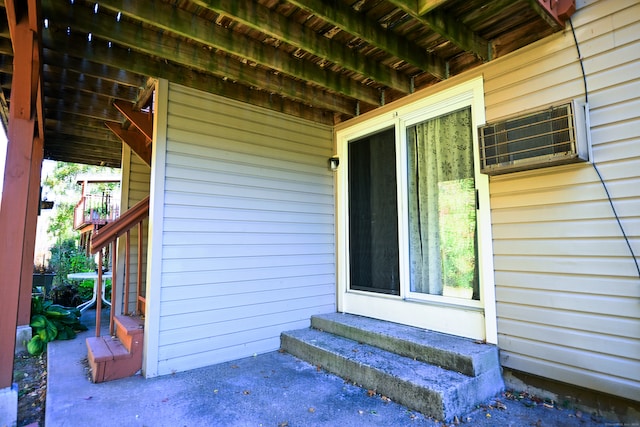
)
(413, 237)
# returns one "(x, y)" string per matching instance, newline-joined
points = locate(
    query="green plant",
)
(67, 257)
(50, 322)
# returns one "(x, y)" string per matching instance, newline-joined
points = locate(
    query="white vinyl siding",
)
(137, 175)
(567, 288)
(248, 229)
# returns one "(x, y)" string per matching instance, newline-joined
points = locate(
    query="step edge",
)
(132, 325)
(432, 399)
(456, 400)
(469, 364)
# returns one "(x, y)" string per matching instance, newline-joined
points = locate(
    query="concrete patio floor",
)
(273, 389)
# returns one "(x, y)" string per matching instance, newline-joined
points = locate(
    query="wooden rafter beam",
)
(448, 27)
(82, 105)
(344, 17)
(251, 13)
(145, 94)
(62, 81)
(134, 139)
(99, 71)
(426, 6)
(28, 11)
(140, 120)
(155, 44)
(138, 63)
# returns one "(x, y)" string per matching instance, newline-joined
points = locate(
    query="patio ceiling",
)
(323, 60)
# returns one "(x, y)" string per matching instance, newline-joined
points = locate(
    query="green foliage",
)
(61, 223)
(63, 183)
(457, 233)
(50, 322)
(67, 257)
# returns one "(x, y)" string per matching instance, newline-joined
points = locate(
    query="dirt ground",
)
(30, 373)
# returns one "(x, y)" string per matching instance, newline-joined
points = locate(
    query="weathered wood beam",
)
(81, 104)
(31, 222)
(57, 120)
(145, 94)
(108, 151)
(195, 56)
(141, 120)
(134, 62)
(75, 127)
(17, 176)
(5, 47)
(88, 68)
(85, 140)
(251, 13)
(426, 6)
(344, 17)
(59, 81)
(448, 27)
(134, 139)
(72, 154)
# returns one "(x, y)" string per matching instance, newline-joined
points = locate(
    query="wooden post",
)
(139, 287)
(99, 297)
(13, 209)
(114, 275)
(26, 280)
(127, 272)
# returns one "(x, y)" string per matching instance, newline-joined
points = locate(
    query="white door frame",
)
(473, 319)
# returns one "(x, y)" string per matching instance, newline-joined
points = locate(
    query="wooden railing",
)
(94, 209)
(108, 235)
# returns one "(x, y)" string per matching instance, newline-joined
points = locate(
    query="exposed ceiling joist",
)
(262, 19)
(325, 61)
(447, 26)
(152, 42)
(339, 15)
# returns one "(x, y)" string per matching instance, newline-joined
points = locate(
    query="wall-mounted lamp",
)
(333, 163)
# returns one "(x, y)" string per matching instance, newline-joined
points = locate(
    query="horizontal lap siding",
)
(138, 188)
(567, 288)
(248, 241)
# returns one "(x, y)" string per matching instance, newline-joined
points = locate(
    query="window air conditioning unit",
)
(554, 136)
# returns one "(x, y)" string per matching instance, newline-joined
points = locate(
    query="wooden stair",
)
(111, 358)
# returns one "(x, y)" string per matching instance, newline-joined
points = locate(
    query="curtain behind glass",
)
(442, 206)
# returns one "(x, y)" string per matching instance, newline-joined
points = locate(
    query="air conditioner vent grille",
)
(543, 138)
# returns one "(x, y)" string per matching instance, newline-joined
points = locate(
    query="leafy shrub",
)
(50, 322)
(67, 257)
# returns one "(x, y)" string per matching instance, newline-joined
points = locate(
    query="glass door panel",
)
(442, 207)
(373, 214)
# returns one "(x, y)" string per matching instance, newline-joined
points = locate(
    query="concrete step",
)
(425, 387)
(447, 351)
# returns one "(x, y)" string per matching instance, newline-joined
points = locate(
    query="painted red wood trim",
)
(142, 121)
(13, 209)
(559, 10)
(31, 224)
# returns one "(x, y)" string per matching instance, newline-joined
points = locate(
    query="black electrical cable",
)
(604, 185)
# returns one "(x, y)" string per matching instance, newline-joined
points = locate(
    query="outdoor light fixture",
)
(333, 163)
